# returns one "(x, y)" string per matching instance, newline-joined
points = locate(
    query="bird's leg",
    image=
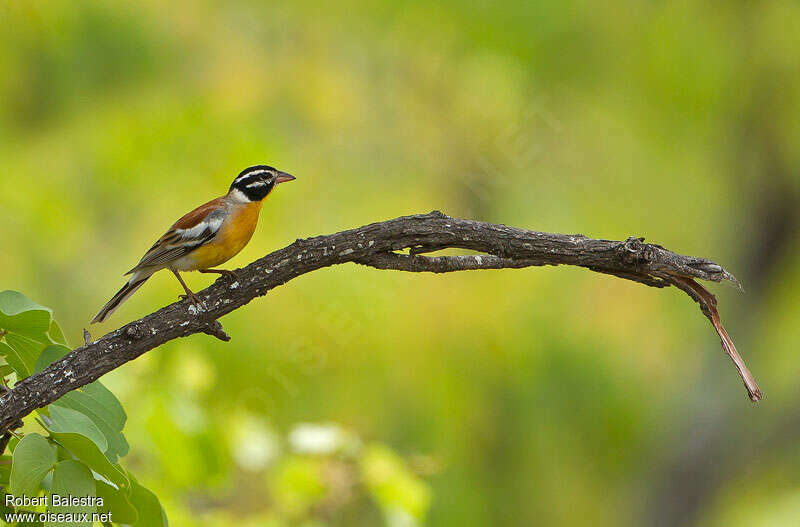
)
(189, 294)
(224, 272)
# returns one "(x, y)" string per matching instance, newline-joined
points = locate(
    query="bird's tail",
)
(136, 281)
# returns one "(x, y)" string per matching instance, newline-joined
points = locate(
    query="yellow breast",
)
(231, 239)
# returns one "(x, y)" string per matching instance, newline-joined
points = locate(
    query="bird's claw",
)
(194, 298)
(233, 275)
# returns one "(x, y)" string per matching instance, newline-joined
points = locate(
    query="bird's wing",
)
(187, 234)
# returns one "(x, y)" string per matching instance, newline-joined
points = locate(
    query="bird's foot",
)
(194, 298)
(232, 275)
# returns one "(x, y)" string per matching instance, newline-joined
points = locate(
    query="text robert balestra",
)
(54, 500)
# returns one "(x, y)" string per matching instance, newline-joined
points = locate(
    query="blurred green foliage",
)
(545, 396)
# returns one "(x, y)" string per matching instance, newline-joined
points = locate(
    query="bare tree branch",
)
(375, 245)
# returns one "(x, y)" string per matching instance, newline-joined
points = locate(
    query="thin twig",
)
(708, 305)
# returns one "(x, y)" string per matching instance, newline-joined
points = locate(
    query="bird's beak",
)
(283, 177)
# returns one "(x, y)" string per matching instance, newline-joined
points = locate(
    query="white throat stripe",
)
(239, 196)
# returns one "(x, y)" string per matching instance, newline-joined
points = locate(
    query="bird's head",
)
(256, 182)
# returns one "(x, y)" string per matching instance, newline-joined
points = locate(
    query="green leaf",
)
(12, 445)
(33, 458)
(27, 326)
(19, 314)
(116, 502)
(85, 450)
(66, 420)
(21, 353)
(151, 513)
(13, 359)
(96, 402)
(6, 370)
(56, 334)
(100, 405)
(72, 478)
(5, 472)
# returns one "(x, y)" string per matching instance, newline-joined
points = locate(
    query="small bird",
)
(208, 236)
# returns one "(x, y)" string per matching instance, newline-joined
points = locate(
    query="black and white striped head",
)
(256, 182)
